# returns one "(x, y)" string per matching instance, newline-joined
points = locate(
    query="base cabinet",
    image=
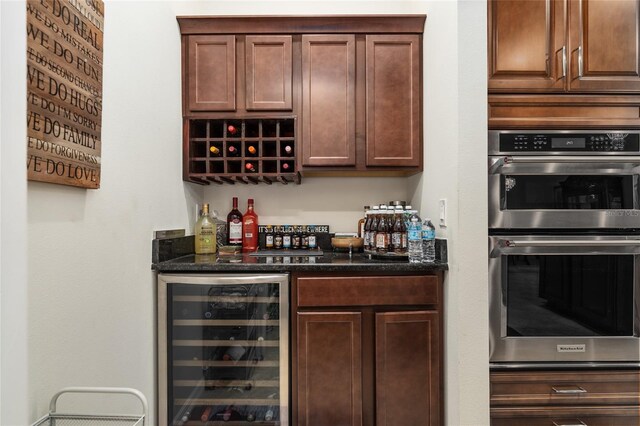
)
(330, 368)
(407, 368)
(370, 357)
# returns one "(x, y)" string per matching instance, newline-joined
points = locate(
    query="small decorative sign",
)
(64, 91)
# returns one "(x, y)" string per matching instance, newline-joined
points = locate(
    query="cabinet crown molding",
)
(317, 24)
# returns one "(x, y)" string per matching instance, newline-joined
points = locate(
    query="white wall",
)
(91, 303)
(91, 292)
(13, 209)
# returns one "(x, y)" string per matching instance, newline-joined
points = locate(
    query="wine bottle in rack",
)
(233, 353)
(250, 167)
(286, 167)
(232, 151)
(233, 131)
(287, 150)
(214, 150)
(268, 416)
(206, 414)
(252, 150)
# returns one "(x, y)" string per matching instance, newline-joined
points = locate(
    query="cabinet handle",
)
(564, 61)
(572, 422)
(580, 62)
(577, 390)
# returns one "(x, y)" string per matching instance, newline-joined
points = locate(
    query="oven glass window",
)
(569, 295)
(568, 192)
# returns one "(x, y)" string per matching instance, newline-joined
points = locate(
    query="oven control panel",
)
(570, 142)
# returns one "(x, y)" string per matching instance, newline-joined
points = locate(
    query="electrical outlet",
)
(442, 203)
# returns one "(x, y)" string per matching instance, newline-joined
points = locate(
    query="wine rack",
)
(247, 151)
(223, 349)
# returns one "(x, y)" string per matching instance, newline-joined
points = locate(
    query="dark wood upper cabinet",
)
(582, 46)
(605, 45)
(393, 106)
(526, 44)
(268, 72)
(351, 86)
(328, 100)
(212, 73)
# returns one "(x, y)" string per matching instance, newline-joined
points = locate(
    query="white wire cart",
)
(67, 419)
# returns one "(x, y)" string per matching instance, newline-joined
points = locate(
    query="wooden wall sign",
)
(64, 91)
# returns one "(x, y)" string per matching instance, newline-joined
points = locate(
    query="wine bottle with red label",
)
(234, 225)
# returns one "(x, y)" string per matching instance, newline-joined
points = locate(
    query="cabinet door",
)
(393, 81)
(527, 51)
(407, 368)
(605, 45)
(328, 100)
(329, 369)
(268, 72)
(212, 73)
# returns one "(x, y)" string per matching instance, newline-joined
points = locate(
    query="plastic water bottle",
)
(414, 237)
(428, 241)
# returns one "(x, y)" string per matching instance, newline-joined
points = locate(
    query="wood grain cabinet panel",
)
(329, 366)
(397, 334)
(605, 45)
(367, 291)
(268, 72)
(407, 368)
(527, 50)
(581, 46)
(393, 88)
(571, 397)
(328, 100)
(566, 416)
(212, 73)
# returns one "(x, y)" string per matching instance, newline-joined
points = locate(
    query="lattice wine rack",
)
(241, 150)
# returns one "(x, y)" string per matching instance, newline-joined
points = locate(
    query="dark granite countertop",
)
(328, 262)
(176, 255)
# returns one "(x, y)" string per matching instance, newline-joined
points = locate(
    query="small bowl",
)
(354, 242)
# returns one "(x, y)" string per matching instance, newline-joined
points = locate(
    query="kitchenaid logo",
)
(619, 213)
(571, 348)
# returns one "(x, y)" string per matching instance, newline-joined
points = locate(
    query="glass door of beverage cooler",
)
(223, 349)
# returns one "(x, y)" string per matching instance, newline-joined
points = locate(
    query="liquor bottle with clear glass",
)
(205, 230)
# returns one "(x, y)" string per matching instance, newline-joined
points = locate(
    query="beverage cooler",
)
(223, 349)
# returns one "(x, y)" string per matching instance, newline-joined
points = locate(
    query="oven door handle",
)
(500, 162)
(570, 243)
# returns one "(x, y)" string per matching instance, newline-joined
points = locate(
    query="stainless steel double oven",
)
(564, 246)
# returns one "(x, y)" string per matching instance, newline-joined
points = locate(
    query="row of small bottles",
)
(251, 150)
(287, 237)
(384, 228)
(242, 230)
(396, 228)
